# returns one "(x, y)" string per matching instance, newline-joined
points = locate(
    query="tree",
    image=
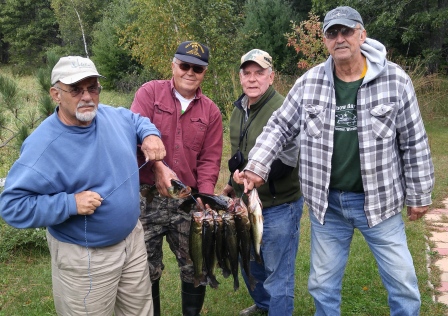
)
(76, 19)
(28, 28)
(153, 38)
(408, 29)
(265, 21)
(112, 59)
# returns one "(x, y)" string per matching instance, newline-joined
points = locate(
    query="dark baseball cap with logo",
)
(193, 53)
(344, 16)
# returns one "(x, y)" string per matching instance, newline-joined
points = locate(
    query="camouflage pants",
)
(162, 218)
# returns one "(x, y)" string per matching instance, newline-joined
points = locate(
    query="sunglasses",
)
(75, 91)
(345, 32)
(197, 69)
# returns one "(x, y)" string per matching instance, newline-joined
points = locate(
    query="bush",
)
(13, 239)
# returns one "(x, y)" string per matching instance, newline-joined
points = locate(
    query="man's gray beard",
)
(86, 116)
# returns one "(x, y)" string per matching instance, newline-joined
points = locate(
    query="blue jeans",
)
(275, 287)
(330, 247)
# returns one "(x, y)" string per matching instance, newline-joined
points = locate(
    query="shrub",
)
(13, 239)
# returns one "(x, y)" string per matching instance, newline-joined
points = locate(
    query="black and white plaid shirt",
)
(396, 164)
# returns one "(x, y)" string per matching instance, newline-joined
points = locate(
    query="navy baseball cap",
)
(193, 52)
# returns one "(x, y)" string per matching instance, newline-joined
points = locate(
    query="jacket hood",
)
(375, 54)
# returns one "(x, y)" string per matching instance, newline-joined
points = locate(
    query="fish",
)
(242, 224)
(220, 244)
(177, 190)
(208, 248)
(216, 202)
(231, 246)
(255, 209)
(195, 248)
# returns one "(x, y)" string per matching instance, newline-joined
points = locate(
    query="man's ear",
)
(55, 95)
(363, 36)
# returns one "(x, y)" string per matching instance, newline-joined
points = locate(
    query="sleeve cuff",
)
(258, 169)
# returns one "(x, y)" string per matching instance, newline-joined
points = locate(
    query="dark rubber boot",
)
(192, 299)
(156, 297)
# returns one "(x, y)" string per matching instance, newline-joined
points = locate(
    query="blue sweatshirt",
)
(57, 161)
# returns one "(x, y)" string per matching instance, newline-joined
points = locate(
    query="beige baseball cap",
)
(258, 56)
(72, 69)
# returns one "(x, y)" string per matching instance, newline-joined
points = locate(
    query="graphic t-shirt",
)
(345, 163)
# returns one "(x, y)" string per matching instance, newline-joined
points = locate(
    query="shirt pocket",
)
(162, 118)
(382, 118)
(314, 120)
(194, 134)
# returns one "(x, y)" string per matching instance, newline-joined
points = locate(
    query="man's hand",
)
(416, 212)
(87, 202)
(228, 191)
(153, 148)
(163, 176)
(251, 179)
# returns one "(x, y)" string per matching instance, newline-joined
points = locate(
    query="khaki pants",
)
(117, 281)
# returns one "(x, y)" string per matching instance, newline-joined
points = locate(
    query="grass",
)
(25, 277)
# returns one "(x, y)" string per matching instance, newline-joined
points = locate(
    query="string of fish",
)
(85, 236)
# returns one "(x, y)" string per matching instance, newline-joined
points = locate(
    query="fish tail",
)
(252, 282)
(225, 272)
(213, 282)
(236, 283)
(258, 258)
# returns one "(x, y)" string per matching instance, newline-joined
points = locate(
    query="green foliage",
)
(306, 39)
(76, 19)
(28, 27)
(13, 239)
(15, 122)
(265, 21)
(112, 59)
(412, 29)
(215, 24)
(153, 38)
(46, 105)
(9, 92)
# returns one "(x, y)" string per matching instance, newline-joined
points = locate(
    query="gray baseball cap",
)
(344, 16)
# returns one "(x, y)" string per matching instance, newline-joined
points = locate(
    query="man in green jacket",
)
(281, 197)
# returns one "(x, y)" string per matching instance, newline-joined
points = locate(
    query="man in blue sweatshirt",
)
(77, 175)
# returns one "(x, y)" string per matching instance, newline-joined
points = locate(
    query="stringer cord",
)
(88, 267)
(85, 236)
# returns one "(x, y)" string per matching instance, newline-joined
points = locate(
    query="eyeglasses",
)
(185, 67)
(345, 32)
(78, 91)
